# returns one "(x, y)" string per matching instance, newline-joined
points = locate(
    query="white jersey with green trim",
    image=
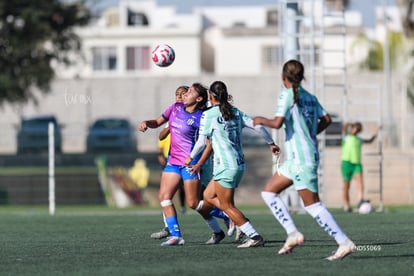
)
(225, 137)
(301, 125)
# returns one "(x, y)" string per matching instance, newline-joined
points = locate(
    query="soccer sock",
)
(325, 220)
(213, 224)
(216, 212)
(173, 226)
(165, 221)
(279, 211)
(249, 230)
(200, 205)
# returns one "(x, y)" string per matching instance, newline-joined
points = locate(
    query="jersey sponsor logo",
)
(177, 124)
(307, 102)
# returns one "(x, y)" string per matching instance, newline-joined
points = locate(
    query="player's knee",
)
(164, 196)
(193, 203)
(165, 203)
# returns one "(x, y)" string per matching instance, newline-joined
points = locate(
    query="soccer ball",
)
(365, 208)
(163, 55)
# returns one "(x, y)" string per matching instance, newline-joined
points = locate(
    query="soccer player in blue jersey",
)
(302, 117)
(184, 121)
(222, 125)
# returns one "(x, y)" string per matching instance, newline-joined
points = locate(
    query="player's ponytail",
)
(294, 71)
(219, 91)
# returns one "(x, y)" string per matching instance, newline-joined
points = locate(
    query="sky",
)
(186, 6)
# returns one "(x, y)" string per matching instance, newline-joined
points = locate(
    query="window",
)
(272, 17)
(137, 58)
(310, 54)
(271, 57)
(104, 58)
(337, 5)
(137, 19)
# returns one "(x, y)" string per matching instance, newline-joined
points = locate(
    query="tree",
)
(32, 35)
(410, 86)
(375, 51)
(407, 18)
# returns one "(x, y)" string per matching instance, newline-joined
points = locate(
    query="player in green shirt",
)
(222, 124)
(351, 165)
(302, 117)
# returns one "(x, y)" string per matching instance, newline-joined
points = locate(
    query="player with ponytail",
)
(293, 71)
(222, 124)
(302, 117)
(184, 121)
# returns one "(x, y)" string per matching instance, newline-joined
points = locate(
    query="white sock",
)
(279, 211)
(249, 230)
(165, 222)
(213, 224)
(200, 205)
(325, 220)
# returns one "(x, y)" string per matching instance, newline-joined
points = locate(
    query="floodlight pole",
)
(290, 51)
(291, 31)
(387, 81)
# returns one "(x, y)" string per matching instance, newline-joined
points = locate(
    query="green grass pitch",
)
(104, 241)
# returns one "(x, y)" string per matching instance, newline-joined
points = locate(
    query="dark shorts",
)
(349, 169)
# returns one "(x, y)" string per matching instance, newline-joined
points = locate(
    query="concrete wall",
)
(77, 103)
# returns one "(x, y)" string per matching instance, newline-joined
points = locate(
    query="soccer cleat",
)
(344, 249)
(239, 235)
(163, 233)
(363, 201)
(173, 241)
(294, 239)
(183, 210)
(231, 227)
(348, 209)
(255, 241)
(216, 238)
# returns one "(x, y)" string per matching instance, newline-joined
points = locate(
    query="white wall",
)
(77, 103)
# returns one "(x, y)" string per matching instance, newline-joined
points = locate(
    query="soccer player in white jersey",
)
(222, 124)
(302, 117)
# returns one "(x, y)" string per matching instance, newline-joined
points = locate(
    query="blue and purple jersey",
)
(184, 132)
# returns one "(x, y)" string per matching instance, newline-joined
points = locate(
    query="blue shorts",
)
(303, 177)
(183, 171)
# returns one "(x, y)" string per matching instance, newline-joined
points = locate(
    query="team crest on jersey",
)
(190, 121)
